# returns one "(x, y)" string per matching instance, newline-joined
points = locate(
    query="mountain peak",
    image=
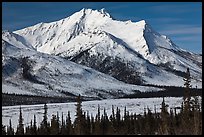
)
(103, 11)
(142, 22)
(92, 11)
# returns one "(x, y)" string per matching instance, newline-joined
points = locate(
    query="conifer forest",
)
(186, 122)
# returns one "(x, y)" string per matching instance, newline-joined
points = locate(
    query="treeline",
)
(17, 99)
(185, 121)
(20, 99)
(169, 91)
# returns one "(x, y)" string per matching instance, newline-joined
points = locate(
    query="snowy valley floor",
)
(132, 105)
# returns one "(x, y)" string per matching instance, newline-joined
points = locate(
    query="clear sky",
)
(180, 21)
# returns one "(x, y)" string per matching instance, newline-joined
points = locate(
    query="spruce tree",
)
(97, 130)
(172, 123)
(63, 128)
(34, 126)
(10, 130)
(149, 122)
(196, 116)
(27, 130)
(186, 112)
(118, 117)
(92, 125)
(88, 124)
(112, 121)
(187, 97)
(58, 123)
(105, 123)
(54, 128)
(44, 129)
(78, 123)
(125, 121)
(20, 127)
(69, 128)
(164, 128)
(125, 112)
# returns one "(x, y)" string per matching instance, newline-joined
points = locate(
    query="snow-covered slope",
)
(16, 40)
(93, 38)
(27, 71)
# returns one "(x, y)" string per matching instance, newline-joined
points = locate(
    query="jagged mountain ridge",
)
(27, 71)
(93, 38)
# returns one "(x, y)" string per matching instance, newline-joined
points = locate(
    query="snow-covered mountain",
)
(129, 51)
(27, 71)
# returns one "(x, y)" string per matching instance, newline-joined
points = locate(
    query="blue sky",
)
(180, 21)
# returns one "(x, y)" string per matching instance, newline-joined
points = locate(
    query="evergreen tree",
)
(27, 130)
(112, 121)
(92, 125)
(150, 127)
(10, 130)
(58, 123)
(164, 128)
(88, 124)
(187, 97)
(34, 132)
(186, 112)
(44, 129)
(117, 123)
(125, 122)
(63, 127)
(98, 115)
(125, 112)
(196, 116)
(79, 120)
(97, 126)
(20, 127)
(54, 128)
(172, 123)
(139, 122)
(105, 123)
(69, 129)
(131, 122)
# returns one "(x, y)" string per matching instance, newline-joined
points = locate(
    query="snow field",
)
(132, 105)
